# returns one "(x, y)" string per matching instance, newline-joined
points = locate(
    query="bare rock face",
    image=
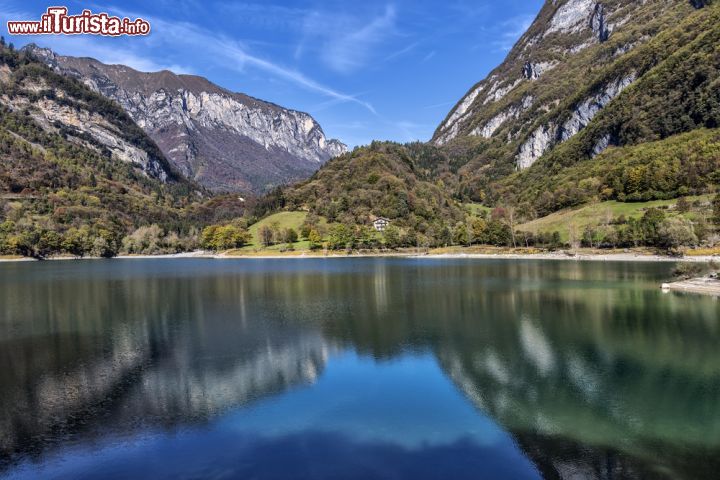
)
(586, 110)
(561, 31)
(60, 110)
(536, 145)
(533, 71)
(571, 17)
(598, 23)
(576, 58)
(582, 114)
(224, 140)
(513, 112)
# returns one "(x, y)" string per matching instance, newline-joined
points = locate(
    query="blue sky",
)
(365, 70)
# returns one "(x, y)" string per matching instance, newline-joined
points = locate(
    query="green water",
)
(355, 368)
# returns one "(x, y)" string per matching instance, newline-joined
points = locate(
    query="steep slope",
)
(74, 168)
(225, 141)
(677, 166)
(65, 107)
(587, 76)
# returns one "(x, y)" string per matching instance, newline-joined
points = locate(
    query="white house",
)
(381, 224)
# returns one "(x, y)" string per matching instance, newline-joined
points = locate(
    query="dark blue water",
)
(355, 368)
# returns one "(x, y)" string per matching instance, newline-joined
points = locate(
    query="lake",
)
(355, 368)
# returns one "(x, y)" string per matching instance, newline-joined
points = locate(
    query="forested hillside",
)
(597, 102)
(570, 90)
(678, 166)
(78, 176)
(408, 184)
(680, 94)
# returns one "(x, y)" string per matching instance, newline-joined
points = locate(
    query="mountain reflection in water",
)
(382, 367)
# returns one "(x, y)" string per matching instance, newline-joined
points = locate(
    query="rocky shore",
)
(709, 285)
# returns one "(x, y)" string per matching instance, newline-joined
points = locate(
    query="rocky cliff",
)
(556, 79)
(226, 141)
(56, 105)
(556, 88)
(77, 174)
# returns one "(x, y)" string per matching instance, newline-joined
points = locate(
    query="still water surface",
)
(355, 368)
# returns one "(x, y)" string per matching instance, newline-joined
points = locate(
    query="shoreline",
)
(579, 257)
(586, 257)
(700, 285)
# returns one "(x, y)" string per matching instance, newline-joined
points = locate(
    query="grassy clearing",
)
(597, 214)
(476, 209)
(281, 221)
(702, 252)
(11, 257)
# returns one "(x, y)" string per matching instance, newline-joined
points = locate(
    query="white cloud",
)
(265, 15)
(402, 51)
(344, 44)
(428, 56)
(512, 30)
(226, 53)
(84, 46)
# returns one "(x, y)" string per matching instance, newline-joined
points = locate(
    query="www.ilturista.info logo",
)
(57, 21)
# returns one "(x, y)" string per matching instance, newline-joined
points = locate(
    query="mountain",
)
(52, 104)
(598, 100)
(76, 173)
(226, 141)
(586, 78)
(167, 378)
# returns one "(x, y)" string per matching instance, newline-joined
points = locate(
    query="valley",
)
(506, 267)
(601, 129)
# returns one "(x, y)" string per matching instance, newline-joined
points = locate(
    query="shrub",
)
(315, 240)
(676, 232)
(224, 237)
(692, 270)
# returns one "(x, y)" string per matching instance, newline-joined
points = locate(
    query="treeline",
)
(92, 240)
(225, 237)
(653, 229)
(656, 228)
(95, 241)
(687, 225)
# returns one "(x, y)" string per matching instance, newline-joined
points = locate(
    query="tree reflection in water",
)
(593, 370)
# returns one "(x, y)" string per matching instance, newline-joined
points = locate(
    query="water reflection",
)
(592, 370)
(125, 350)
